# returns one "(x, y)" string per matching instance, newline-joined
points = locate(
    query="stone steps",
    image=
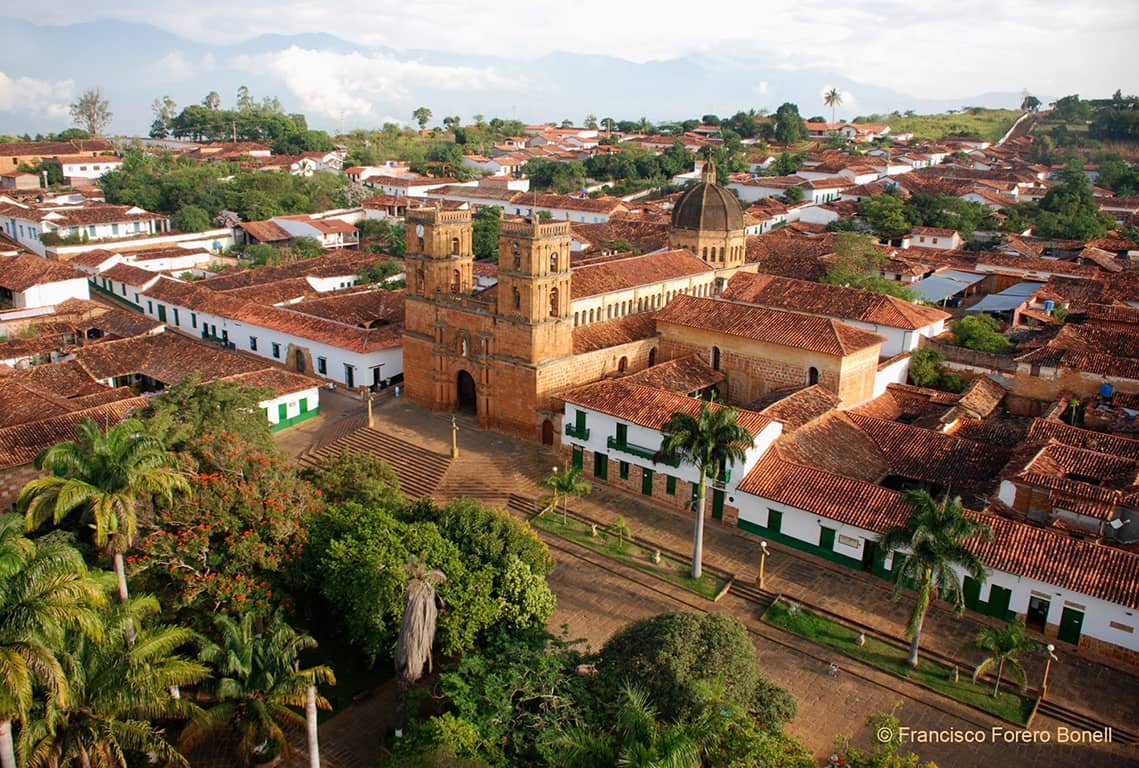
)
(419, 470)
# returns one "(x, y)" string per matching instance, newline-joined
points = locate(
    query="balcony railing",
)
(573, 431)
(636, 450)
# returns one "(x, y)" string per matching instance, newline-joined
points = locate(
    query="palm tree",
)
(115, 695)
(102, 476)
(711, 441)
(1004, 645)
(639, 740)
(258, 680)
(565, 483)
(938, 537)
(416, 633)
(833, 99)
(45, 591)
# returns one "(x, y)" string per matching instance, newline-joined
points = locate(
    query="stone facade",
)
(755, 368)
(501, 355)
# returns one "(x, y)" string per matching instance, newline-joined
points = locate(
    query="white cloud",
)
(928, 49)
(27, 94)
(336, 84)
(177, 67)
(761, 88)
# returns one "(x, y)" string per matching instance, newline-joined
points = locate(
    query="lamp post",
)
(1047, 667)
(454, 438)
(761, 578)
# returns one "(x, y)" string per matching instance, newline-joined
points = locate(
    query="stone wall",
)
(12, 481)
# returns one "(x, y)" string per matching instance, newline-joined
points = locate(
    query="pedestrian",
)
(833, 671)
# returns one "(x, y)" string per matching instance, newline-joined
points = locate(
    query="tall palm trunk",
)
(918, 617)
(698, 535)
(124, 594)
(7, 751)
(1000, 670)
(310, 724)
(912, 659)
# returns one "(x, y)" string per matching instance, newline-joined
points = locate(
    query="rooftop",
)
(789, 329)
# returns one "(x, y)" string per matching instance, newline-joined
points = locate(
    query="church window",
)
(553, 262)
(517, 254)
(455, 281)
(462, 346)
(721, 253)
(517, 298)
(421, 246)
(554, 302)
(716, 358)
(705, 256)
(419, 280)
(622, 364)
(454, 246)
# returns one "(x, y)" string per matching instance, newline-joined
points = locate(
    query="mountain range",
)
(340, 85)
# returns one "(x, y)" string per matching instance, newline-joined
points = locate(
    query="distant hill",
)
(337, 83)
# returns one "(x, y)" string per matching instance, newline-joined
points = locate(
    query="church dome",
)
(708, 206)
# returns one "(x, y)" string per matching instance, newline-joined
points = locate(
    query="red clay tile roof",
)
(129, 274)
(19, 273)
(612, 333)
(647, 406)
(22, 443)
(166, 357)
(1043, 430)
(684, 375)
(836, 444)
(265, 231)
(367, 308)
(830, 301)
(802, 406)
(626, 273)
(279, 381)
(1091, 569)
(789, 329)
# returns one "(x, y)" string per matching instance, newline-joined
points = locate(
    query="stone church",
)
(504, 352)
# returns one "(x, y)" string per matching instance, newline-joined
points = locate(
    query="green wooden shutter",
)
(647, 482)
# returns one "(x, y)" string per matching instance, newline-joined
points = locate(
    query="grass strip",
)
(890, 658)
(631, 553)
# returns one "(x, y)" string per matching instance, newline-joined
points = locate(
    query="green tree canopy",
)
(670, 656)
(790, 128)
(980, 332)
(857, 264)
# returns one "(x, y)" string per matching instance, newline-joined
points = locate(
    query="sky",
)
(914, 46)
(919, 48)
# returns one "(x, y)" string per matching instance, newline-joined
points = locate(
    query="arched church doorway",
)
(467, 400)
(547, 432)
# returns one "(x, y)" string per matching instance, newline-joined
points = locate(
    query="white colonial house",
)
(933, 237)
(80, 169)
(341, 353)
(28, 224)
(29, 281)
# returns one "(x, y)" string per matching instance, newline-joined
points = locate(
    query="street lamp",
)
(1047, 667)
(759, 581)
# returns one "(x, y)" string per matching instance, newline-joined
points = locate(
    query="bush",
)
(190, 218)
(979, 332)
(672, 655)
(925, 367)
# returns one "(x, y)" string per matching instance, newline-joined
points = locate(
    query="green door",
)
(717, 505)
(304, 405)
(1071, 622)
(282, 412)
(646, 482)
(578, 458)
(774, 520)
(600, 466)
(999, 599)
(972, 590)
(162, 313)
(826, 539)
